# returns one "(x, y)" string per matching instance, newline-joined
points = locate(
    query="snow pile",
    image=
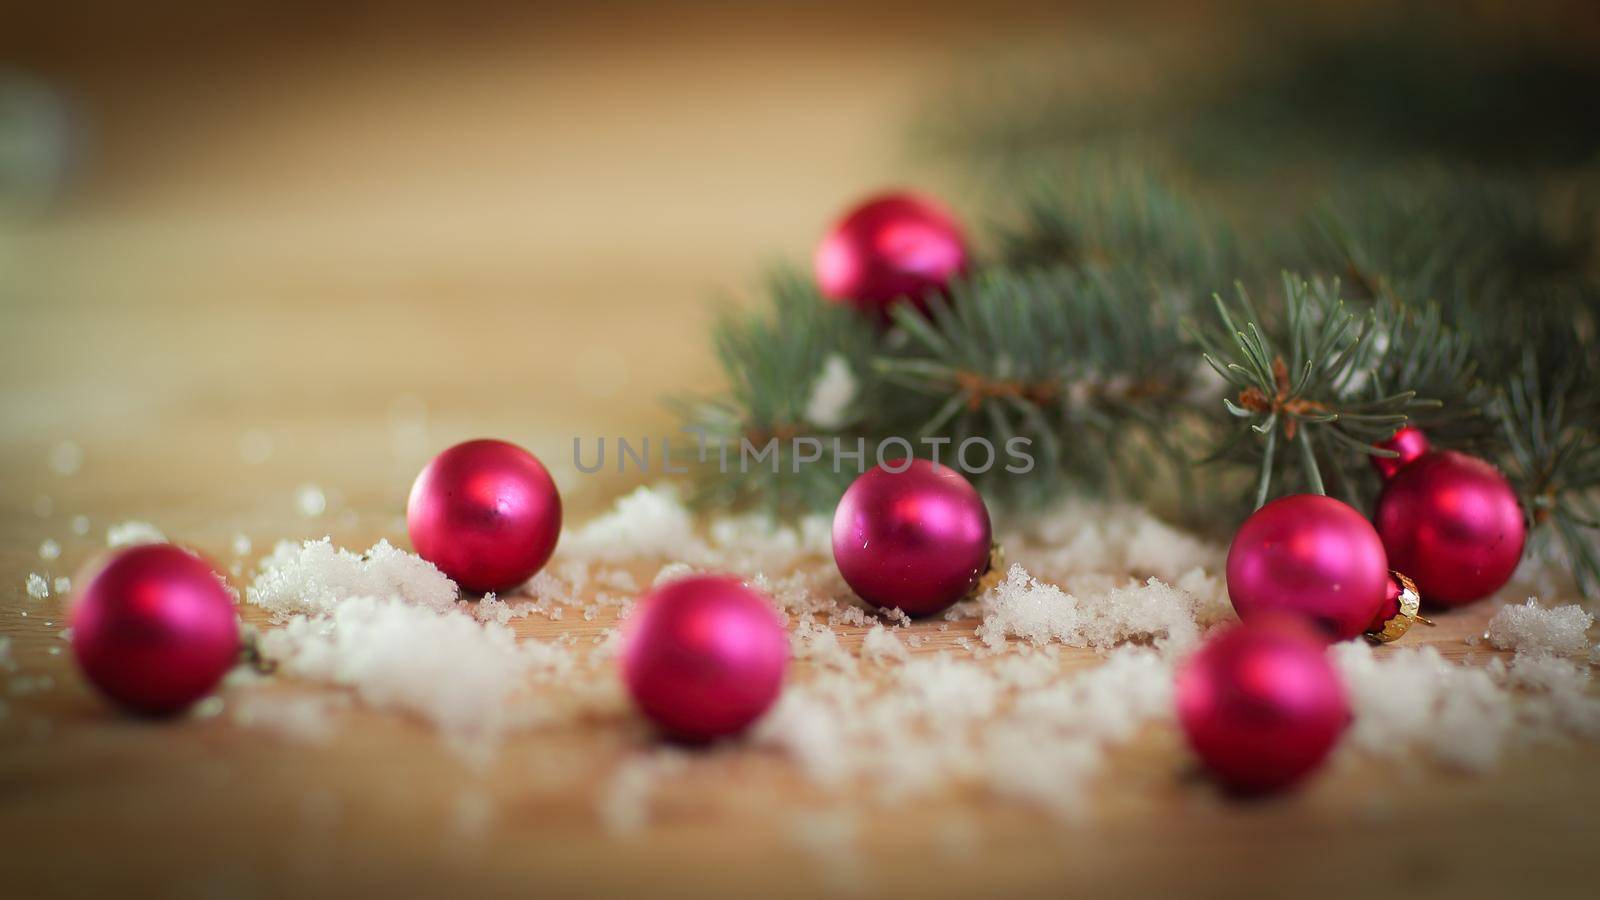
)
(1464, 716)
(1529, 627)
(1415, 698)
(387, 625)
(881, 644)
(467, 678)
(316, 576)
(1083, 536)
(1023, 730)
(651, 521)
(1025, 607)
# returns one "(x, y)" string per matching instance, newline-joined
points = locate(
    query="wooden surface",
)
(314, 260)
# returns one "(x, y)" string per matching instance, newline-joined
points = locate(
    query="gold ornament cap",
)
(993, 575)
(1407, 615)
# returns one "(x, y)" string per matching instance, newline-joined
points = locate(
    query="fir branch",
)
(1549, 415)
(773, 360)
(1305, 379)
(1072, 362)
(1109, 215)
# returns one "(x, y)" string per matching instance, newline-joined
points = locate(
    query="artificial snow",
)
(831, 394)
(625, 799)
(1024, 607)
(309, 501)
(133, 533)
(650, 522)
(999, 704)
(316, 576)
(1464, 716)
(1558, 630)
(467, 678)
(38, 588)
(880, 643)
(1024, 731)
(292, 718)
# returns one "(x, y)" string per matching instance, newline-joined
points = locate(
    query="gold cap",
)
(1408, 614)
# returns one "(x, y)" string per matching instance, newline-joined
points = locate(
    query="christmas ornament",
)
(1409, 442)
(1451, 522)
(486, 513)
(1398, 612)
(890, 247)
(1312, 556)
(154, 628)
(917, 539)
(704, 656)
(1261, 705)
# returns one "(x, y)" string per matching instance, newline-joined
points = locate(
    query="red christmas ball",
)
(892, 246)
(486, 513)
(917, 539)
(1312, 556)
(1389, 608)
(1409, 442)
(703, 657)
(154, 628)
(1451, 522)
(1261, 705)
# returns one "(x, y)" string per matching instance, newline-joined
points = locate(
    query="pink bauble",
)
(892, 246)
(1409, 442)
(704, 656)
(154, 628)
(1312, 556)
(1261, 705)
(1451, 522)
(486, 513)
(917, 540)
(1389, 608)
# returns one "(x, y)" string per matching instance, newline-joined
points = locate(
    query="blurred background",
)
(251, 247)
(260, 245)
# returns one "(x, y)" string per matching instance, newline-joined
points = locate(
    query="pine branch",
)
(1549, 415)
(774, 361)
(1084, 366)
(1110, 215)
(1306, 387)
(1073, 342)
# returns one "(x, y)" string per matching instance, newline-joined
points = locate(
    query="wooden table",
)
(307, 261)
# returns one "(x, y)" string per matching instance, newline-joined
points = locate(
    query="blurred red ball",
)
(917, 540)
(154, 628)
(1261, 705)
(1453, 524)
(1409, 442)
(893, 246)
(1311, 556)
(703, 657)
(486, 513)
